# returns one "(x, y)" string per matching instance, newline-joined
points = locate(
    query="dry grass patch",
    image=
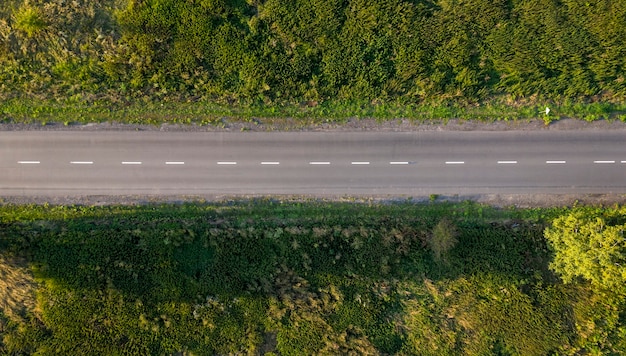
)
(17, 289)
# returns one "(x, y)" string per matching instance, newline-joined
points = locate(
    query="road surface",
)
(313, 163)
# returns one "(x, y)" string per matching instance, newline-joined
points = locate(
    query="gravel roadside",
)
(287, 124)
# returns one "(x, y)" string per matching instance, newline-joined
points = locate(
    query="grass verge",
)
(149, 112)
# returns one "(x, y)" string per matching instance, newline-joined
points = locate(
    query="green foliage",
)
(275, 52)
(29, 19)
(590, 245)
(443, 239)
(84, 108)
(296, 278)
(599, 319)
(484, 313)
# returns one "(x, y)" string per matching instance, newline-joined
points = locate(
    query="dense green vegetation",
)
(591, 247)
(295, 278)
(366, 57)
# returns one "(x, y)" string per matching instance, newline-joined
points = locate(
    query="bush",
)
(443, 239)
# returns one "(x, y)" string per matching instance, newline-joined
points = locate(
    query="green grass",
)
(287, 115)
(296, 278)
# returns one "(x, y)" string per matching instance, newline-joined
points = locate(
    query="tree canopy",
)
(590, 246)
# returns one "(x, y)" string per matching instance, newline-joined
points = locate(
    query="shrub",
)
(443, 239)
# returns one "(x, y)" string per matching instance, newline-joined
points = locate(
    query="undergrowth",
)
(296, 278)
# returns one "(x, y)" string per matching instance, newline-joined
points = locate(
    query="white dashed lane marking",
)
(275, 163)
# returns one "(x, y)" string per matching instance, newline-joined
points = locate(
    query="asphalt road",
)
(357, 163)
